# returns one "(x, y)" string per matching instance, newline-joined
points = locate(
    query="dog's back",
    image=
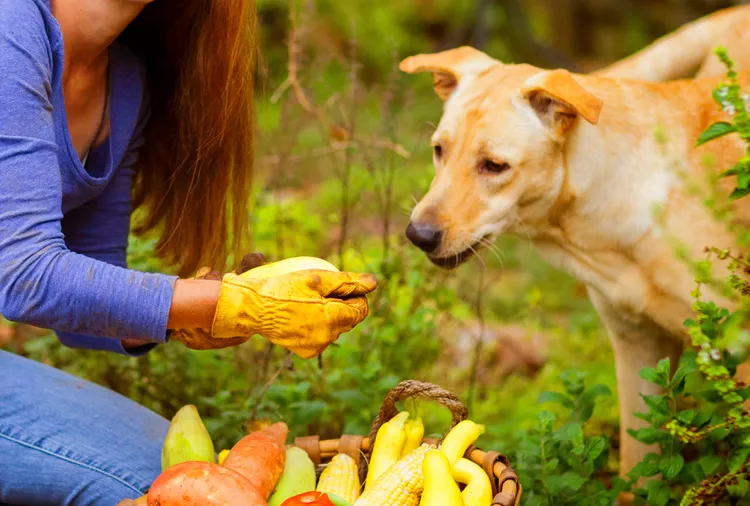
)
(688, 52)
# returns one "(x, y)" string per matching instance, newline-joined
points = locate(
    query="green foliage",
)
(557, 462)
(736, 103)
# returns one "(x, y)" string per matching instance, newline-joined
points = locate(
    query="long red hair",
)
(195, 170)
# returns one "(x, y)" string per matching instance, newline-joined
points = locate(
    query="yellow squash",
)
(414, 429)
(440, 489)
(478, 490)
(459, 439)
(289, 265)
(389, 443)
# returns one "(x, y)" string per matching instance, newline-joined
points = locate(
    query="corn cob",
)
(341, 477)
(400, 485)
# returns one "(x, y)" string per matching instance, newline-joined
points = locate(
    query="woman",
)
(98, 97)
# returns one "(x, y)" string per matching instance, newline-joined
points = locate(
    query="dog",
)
(573, 163)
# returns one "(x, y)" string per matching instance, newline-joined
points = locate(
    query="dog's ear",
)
(558, 99)
(448, 67)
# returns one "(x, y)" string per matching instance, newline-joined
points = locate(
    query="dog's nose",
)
(424, 237)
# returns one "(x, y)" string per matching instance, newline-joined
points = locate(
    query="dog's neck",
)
(604, 227)
(619, 172)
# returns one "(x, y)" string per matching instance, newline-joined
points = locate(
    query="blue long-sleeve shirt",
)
(64, 227)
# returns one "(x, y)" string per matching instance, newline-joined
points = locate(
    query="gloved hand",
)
(302, 311)
(200, 339)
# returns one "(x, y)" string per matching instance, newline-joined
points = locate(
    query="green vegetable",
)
(187, 440)
(298, 476)
(338, 501)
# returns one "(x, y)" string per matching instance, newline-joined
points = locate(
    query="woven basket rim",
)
(495, 464)
(505, 483)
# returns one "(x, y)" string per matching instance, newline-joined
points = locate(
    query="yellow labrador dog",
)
(573, 162)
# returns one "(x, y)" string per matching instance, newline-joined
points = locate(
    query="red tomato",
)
(314, 498)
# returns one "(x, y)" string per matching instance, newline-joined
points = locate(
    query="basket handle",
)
(412, 388)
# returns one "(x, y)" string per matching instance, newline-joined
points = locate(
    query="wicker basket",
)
(505, 486)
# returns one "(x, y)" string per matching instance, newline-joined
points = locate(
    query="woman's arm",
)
(193, 304)
(99, 230)
(41, 281)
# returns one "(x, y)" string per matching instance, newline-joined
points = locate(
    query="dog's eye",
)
(494, 167)
(437, 150)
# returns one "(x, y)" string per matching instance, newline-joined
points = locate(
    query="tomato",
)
(308, 498)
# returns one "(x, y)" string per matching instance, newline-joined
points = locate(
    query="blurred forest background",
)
(343, 153)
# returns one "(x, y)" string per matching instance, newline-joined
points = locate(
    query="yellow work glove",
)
(200, 339)
(302, 311)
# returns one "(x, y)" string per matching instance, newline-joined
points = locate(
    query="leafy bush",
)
(557, 462)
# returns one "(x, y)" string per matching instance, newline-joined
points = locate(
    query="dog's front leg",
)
(636, 345)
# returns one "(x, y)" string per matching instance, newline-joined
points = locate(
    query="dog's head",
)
(498, 150)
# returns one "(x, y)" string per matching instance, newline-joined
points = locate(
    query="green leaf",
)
(741, 489)
(648, 467)
(738, 193)
(654, 375)
(596, 446)
(551, 465)
(545, 419)
(555, 484)
(658, 493)
(715, 131)
(702, 418)
(555, 397)
(691, 472)
(729, 172)
(737, 458)
(709, 464)
(657, 403)
(683, 370)
(649, 435)
(686, 416)
(719, 434)
(308, 411)
(619, 485)
(670, 466)
(595, 391)
(571, 432)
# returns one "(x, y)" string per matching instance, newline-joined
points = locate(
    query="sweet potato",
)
(203, 484)
(260, 457)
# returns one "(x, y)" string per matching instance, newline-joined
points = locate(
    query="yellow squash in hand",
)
(440, 489)
(389, 443)
(187, 439)
(478, 490)
(289, 265)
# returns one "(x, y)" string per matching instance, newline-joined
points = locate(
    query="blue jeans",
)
(65, 441)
